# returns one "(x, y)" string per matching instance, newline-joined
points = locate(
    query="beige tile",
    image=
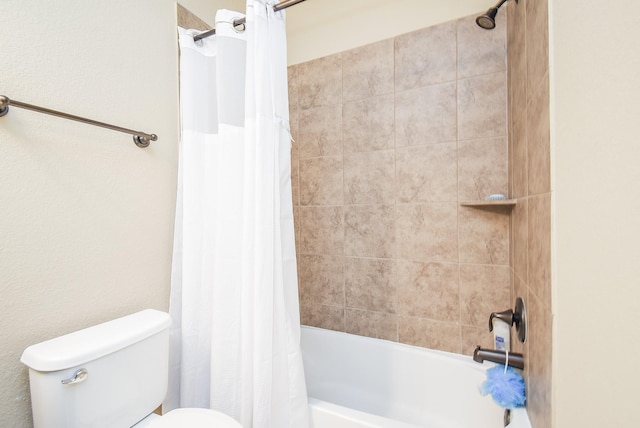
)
(482, 106)
(539, 262)
(371, 324)
(483, 289)
(322, 230)
(431, 334)
(368, 71)
(295, 175)
(520, 230)
(369, 231)
(425, 57)
(538, 143)
(294, 128)
(369, 178)
(297, 228)
(482, 168)
(519, 155)
(481, 51)
(427, 173)
(483, 236)
(320, 132)
(428, 290)
(294, 86)
(427, 232)
(473, 336)
(537, 44)
(368, 124)
(320, 82)
(321, 181)
(516, 60)
(187, 19)
(370, 285)
(426, 115)
(539, 363)
(321, 280)
(323, 316)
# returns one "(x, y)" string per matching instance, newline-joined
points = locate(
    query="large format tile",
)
(520, 230)
(368, 124)
(323, 316)
(426, 115)
(482, 106)
(539, 250)
(516, 60)
(370, 285)
(425, 57)
(432, 334)
(369, 177)
(428, 290)
(538, 143)
(483, 289)
(482, 168)
(427, 173)
(320, 82)
(321, 280)
(321, 230)
(320, 132)
(378, 325)
(321, 181)
(368, 71)
(427, 232)
(520, 164)
(481, 51)
(294, 84)
(537, 44)
(369, 231)
(483, 235)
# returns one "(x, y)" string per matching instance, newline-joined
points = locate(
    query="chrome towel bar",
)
(141, 139)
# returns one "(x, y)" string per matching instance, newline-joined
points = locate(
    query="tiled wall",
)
(528, 64)
(389, 139)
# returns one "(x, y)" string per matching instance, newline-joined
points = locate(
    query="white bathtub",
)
(359, 382)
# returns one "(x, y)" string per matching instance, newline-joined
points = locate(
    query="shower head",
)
(488, 19)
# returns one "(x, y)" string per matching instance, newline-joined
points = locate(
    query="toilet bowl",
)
(114, 374)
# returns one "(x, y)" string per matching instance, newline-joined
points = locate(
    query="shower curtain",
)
(235, 339)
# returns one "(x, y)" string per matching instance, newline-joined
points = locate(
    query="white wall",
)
(595, 78)
(86, 217)
(317, 28)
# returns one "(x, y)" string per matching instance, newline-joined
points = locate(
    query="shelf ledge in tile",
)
(509, 203)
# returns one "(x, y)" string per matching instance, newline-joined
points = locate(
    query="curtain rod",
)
(142, 139)
(276, 7)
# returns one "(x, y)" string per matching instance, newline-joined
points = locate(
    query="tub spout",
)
(515, 360)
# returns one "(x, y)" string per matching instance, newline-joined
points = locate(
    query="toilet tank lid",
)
(86, 345)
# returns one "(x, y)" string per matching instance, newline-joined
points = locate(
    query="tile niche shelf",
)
(508, 203)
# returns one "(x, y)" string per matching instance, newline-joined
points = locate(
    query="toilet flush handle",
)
(79, 376)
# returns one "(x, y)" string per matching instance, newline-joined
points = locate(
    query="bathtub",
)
(359, 382)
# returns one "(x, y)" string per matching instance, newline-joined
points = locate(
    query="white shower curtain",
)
(235, 342)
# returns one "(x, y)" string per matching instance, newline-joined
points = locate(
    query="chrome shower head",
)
(488, 19)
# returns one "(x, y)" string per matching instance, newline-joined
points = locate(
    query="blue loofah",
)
(506, 387)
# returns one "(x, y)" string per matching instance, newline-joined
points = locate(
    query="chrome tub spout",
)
(515, 360)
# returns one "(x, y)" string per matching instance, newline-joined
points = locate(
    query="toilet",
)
(112, 375)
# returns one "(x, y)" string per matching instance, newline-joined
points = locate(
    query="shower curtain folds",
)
(234, 293)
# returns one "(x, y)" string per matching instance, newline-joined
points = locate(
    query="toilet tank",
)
(126, 365)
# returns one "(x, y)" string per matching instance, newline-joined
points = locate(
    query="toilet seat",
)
(195, 418)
